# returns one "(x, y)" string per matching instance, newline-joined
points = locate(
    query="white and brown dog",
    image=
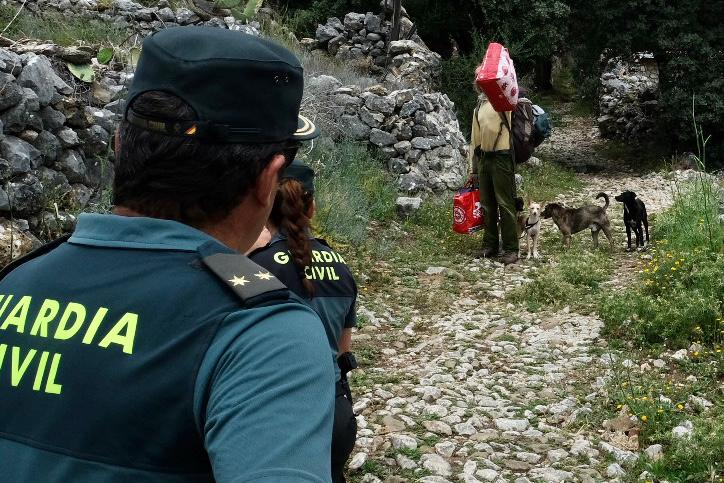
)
(530, 227)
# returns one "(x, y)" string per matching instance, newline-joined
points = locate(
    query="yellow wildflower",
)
(680, 407)
(644, 418)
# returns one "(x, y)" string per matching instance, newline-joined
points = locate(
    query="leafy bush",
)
(661, 401)
(353, 189)
(456, 80)
(241, 9)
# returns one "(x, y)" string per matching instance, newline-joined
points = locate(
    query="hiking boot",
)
(509, 258)
(487, 253)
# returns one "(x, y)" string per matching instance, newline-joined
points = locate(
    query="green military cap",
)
(302, 173)
(243, 88)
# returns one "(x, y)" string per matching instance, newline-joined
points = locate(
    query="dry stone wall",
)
(364, 39)
(53, 149)
(137, 18)
(629, 98)
(416, 131)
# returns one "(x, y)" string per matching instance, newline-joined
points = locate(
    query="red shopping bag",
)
(467, 211)
(496, 77)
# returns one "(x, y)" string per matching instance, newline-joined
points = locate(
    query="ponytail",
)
(289, 215)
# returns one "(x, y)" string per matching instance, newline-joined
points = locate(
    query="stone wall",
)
(53, 148)
(137, 18)
(416, 131)
(364, 39)
(629, 98)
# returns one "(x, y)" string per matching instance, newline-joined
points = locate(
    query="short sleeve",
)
(350, 319)
(264, 397)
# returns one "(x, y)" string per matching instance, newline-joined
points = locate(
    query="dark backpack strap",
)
(250, 282)
(511, 136)
(40, 251)
(476, 149)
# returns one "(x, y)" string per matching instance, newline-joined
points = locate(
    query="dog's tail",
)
(605, 198)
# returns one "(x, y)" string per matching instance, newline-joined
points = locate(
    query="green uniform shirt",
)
(261, 397)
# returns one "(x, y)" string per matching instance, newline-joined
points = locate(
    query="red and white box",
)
(496, 77)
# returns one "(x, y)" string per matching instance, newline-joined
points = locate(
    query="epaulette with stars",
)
(250, 282)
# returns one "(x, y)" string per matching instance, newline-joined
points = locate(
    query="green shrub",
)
(661, 401)
(456, 80)
(700, 458)
(353, 189)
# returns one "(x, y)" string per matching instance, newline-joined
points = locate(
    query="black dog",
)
(634, 216)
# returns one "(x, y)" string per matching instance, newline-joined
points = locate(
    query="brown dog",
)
(573, 220)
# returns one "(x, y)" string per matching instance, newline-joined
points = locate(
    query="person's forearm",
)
(345, 341)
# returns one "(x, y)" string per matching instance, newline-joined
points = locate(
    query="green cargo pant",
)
(496, 174)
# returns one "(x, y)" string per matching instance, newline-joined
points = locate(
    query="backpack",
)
(542, 126)
(530, 126)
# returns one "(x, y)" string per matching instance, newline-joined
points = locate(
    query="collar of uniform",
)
(138, 232)
(282, 236)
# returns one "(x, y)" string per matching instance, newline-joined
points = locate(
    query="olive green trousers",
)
(496, 175)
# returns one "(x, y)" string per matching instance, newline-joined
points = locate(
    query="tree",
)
(687, 41)
(533, 30)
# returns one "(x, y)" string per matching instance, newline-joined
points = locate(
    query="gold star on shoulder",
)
(239, 281)
(263, 275)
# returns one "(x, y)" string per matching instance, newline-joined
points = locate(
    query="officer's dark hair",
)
(183, 179)
(290, 215)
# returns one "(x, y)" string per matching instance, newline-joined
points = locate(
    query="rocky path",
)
(483, 390)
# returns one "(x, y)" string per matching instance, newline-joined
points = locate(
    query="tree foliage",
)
(686, 38)
(687, 41)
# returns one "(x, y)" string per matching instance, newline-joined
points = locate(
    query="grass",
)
(57, 28)
(544, 183)
(352, 190)
(640, 157)
(677, 302)
(573, 278)
(680, 295)
(660, 401)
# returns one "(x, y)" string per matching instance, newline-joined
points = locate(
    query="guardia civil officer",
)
(145, 348)
(311, 269)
